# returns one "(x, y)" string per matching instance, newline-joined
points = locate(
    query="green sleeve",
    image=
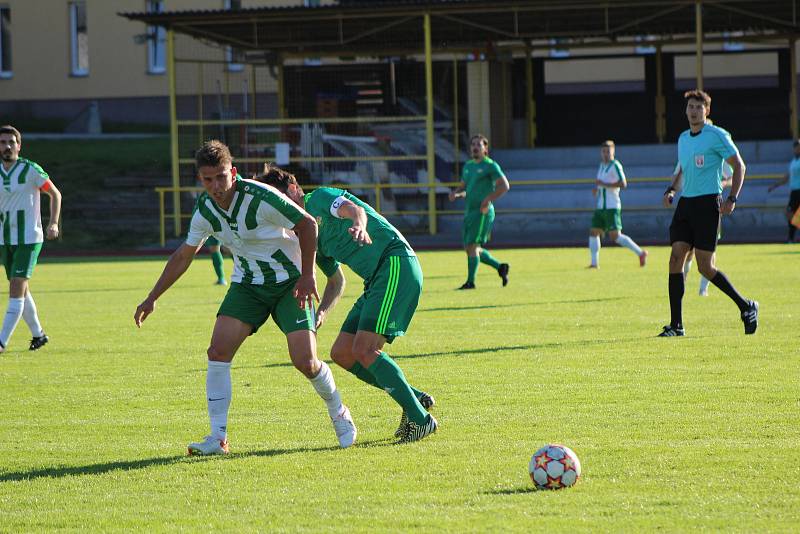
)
(328, 265)
(498, 172)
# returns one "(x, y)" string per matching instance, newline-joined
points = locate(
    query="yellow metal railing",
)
(378, 187)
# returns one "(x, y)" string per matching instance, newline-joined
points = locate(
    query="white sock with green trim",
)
(31, 316)
(13, 313)
(594, 248)
(628, 243)
(326, 388)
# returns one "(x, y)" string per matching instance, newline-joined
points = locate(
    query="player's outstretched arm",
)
(358, 230)
(778, 183)
(306, 286)
(55, 210)
(458, 192)
(334, 289)
(173, 270)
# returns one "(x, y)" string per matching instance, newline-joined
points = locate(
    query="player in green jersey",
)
(273, 243)
(22, 233)
(352, 233)
(482, 182)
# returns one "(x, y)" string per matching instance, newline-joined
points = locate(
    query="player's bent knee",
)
(308, 366)
(216, 355)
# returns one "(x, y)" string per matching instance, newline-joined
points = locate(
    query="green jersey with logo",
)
(257, 229)
(335, 245)
(480, 179)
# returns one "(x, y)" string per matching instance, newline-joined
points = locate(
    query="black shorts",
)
(696, 221)
(794, 201)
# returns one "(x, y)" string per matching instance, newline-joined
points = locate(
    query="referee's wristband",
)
(669, 190)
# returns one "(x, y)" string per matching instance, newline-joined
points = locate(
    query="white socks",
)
(13, 313)
(218, 392)
(594, 247)
(628, 243)
(326, 388)
(31, 316)
(703, 285)
(687, 267)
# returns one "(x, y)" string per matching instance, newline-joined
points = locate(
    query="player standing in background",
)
(482, 182)
(702, 149)
(273, 244)
(22, 235)
(351, 232)
(217, 260)
(215, 250)
(607, 215)
(793, 177)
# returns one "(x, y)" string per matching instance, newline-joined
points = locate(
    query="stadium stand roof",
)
(388, 27)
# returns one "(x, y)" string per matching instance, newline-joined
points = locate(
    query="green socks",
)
(472, 268)
(365, 376)
(488, 259)
(390, 377)
(216, 259)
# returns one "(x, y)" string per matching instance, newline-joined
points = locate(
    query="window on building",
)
(156, 41)
(233, 56)
(5, 42)
(79, 39)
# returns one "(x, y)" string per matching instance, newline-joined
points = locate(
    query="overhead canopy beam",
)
(379, 27)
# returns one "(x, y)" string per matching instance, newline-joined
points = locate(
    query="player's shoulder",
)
(38, 168)
(686, 134)
(256, 188)
(716, 129)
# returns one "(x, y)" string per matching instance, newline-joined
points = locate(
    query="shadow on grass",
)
(484, 350)
(485, 307)
(512, 491)
(108, 467)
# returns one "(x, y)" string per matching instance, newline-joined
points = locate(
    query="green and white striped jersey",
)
(608, 197)
(20, 207)
(257, 229)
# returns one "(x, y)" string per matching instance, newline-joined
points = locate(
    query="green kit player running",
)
(273, 243)
(482, 182)
(352, 233)
(22, 234)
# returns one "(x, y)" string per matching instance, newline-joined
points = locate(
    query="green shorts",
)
(19, 260)
(607, 220)
(253, 304)
(389, 299)
(477, 227)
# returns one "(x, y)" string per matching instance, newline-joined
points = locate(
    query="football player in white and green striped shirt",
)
(22, 233)
(607, 215)
(273, 243)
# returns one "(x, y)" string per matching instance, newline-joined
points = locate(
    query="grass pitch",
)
(681, 434)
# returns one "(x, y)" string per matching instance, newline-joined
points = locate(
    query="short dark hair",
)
(699, 95)
(276, 177)
(796, 142)
(213, 154)
(8, 129)
(483, 139)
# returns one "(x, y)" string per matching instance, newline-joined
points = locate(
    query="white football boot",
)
(345, 428)
(209, 446)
